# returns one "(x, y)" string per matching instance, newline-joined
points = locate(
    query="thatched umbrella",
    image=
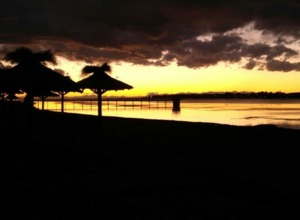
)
(64, 86)
(33, 77)
(40, 79)
(100, 82)
(43, 95)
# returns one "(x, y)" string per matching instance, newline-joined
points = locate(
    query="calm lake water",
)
(280, 112)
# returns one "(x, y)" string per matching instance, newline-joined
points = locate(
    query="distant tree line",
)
(228, 95)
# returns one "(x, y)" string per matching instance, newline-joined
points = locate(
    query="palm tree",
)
(100, 82)
(35, 78)
(26, 69)
(25, 56)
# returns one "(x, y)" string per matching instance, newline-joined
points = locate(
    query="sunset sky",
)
(164, 46)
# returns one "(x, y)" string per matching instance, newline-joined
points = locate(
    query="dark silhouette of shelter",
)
(31, 76)
(41, 81)
(100, 82)
(66, 85)
(43, 95)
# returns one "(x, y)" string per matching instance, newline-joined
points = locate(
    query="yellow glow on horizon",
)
(178, 79)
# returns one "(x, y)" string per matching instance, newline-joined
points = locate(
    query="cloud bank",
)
(196, 34)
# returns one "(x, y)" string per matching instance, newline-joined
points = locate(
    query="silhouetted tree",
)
(27, 64)
(35, 78)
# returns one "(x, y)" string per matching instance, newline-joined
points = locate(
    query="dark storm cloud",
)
(258, 50)
(150, 32)
(284, 66)
(221, 48)
(250, 64)
(229, 48)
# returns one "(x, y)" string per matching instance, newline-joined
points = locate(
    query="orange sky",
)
(178, 79)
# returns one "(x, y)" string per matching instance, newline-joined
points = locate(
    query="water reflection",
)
(175, 112)
(284, 113)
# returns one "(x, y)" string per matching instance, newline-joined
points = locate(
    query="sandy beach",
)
(72, 166)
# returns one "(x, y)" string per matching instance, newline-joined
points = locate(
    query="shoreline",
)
(283, 114)
(71, 165)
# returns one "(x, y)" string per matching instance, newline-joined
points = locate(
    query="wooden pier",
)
(109, 103)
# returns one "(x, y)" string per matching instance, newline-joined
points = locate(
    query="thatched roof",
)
(41, 78)
(102, 82)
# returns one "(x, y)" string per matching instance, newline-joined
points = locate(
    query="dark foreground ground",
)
(69, 166)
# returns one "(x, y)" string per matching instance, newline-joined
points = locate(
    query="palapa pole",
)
(99, 104)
